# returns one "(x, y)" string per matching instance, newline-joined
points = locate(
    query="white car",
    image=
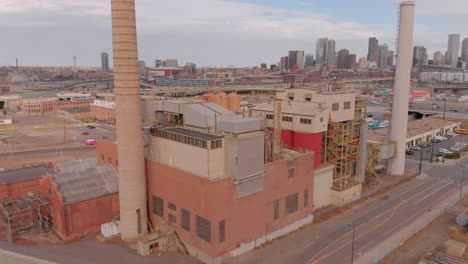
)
(455, 148)
(445, 151)
(452, 134)
(440, 138)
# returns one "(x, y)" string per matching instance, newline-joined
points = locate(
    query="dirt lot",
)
(428, 239)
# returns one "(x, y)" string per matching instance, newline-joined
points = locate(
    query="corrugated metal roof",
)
(81, 180)
(36, 95)
(24, 174)
(218, 109)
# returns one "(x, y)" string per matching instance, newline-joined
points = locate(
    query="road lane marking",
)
(433, 192)
(392, 210)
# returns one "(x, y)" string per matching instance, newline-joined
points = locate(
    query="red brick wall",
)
(106, 152)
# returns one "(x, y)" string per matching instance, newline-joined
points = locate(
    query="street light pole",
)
(352, 246)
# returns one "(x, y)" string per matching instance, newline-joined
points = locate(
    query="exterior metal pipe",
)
(130, 147)
(399, 126)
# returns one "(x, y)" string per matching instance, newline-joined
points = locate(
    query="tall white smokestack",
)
(130, 149)
(402, 86)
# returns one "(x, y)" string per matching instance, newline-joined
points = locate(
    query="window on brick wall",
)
(287, 118)
(291, 172)
(158, 206)
(269, 116)
(347, 105)
(291, 203)
(172, 206)
(203, 228)
(276, 209)
(335, 107)
(222, 231)
(306, 121)
(185, 219)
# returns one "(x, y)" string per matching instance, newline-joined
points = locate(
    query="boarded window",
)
(186, 220)
(158, 206)
(172, 206)
(222, 230)
(291, 203)
(291, 172)
(306, 198)
(335, 107)
(268, 116)
(347, 105)
(203, 229)
(276, 209)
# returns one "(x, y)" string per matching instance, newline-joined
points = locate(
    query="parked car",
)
(90, 142)
(441, 138)
(415, 148)
(90, 126)
(85, 133)
(454, 110)
(435, 140)
(445, 151)
(461, 131)
(451, 134)
(455, 148)
(409, 152)
(424, 145)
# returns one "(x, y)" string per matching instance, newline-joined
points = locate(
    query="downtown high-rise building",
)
(453, 49)
(465, 50)
(309, 60)
(296, 58)
(321, 51)
(419, 55)
(284, 63)
(351, 61)
(373, 50)
(343, 59)
(105, 62)
(331, 54)
(438, 58)
(390, 55)
(382, 56)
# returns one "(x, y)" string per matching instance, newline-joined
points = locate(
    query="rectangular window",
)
(221, 231)
(306, 198)
(203, 229)
(321, 119)
(306, 121)
(335, 107)
(287, 118)
(172, 206)
(347, 105)
(276, 209)
(291, 172)
(270, 116)
(291, 203)
(110, 160)
(185, 220)
(158, 206)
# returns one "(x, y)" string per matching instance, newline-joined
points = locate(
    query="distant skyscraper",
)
(142, 67)
(351, 61)
(383, 56)
(331, 54)
(158, 63)
(296, 58)
(321, 51)
(390, 55)
(453, 49)
(309, 60)
(419, 55)
(343, 59)
(465, 50)
(438, 58)
(373, 50)
(284, 63)
(105, 62)
(363, 63)
(171, 63)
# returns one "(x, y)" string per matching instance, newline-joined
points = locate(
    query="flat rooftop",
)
(24, 174)
(415, 128)
(193, 133)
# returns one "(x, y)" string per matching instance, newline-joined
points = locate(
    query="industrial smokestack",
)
(130, 149)
(399, 125)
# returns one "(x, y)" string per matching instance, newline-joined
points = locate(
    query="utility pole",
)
(432, 151)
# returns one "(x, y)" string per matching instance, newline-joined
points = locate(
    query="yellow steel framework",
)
(344, 148)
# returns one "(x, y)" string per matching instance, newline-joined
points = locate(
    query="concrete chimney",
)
(130, 149)
(401, 89)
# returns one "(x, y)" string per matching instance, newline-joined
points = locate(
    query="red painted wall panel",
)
(311, 142)
(287, 138)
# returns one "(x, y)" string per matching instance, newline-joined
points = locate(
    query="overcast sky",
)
(214, 32)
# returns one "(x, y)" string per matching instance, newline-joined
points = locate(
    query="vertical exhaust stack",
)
(399, 126)
(130, 149)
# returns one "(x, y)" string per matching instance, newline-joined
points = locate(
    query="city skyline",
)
(250, 33)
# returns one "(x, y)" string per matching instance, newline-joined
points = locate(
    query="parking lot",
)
(447, 144)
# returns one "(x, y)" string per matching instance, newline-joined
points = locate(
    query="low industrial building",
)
(103, 111)
(76, 113)
(75, 197)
